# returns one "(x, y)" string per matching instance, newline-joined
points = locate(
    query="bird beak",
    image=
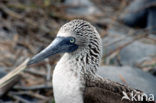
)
(59, 45)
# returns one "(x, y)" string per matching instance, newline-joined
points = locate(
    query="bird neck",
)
(85, 61)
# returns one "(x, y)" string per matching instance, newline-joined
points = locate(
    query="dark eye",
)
(72, 40)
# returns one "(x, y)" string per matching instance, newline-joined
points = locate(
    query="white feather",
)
(66, 84)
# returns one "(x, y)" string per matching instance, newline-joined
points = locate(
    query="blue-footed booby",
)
(74, 77)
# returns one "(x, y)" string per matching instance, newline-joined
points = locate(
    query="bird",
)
(74, 77)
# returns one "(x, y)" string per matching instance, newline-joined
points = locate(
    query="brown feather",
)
(100, 90)
(98, 95)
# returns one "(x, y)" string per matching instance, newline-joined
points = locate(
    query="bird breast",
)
(66, 82)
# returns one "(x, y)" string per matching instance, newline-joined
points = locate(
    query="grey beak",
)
(53, 48)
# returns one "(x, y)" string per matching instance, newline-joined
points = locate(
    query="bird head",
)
(73, 37)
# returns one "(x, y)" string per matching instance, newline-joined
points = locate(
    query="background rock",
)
(81, 7)
(141, 13)
(134, 78)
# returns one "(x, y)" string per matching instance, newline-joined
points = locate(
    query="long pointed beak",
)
(53, 48)
(59, 45)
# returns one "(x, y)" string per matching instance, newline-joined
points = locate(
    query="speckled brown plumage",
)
(100, 90)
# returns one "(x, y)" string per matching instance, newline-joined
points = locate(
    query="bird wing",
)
(100, 90)
(98, 95)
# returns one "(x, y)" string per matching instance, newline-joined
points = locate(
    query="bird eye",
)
(72, 40)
